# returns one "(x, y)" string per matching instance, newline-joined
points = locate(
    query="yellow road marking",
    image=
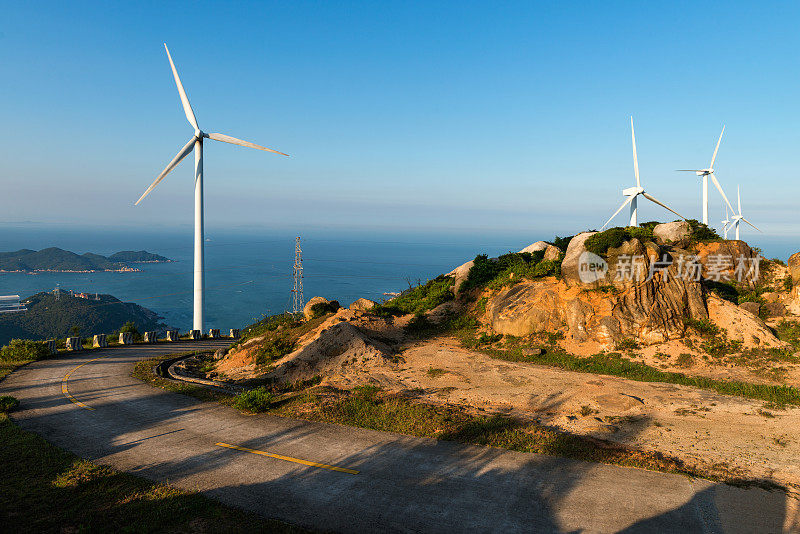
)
(290, 459)
(65, 389)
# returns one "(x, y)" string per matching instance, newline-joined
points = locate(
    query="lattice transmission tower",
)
(297, 275)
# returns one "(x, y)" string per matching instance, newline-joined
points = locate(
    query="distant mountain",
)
(56, 259)
(48, 318)
(137, 256)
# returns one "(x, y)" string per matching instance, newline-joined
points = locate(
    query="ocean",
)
(249, 273)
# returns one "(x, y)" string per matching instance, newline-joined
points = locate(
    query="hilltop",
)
(59, 260)
(48, 318)
(639, 337)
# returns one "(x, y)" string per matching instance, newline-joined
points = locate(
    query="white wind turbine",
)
(196, 143)
(736, 219)
(633, 192)
(705, 174)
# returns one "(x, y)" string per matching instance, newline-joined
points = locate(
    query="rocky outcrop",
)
(794, 268)
(460, 274)
(739, 325)
(571, 264)
(727, 261)
(551, 252)
(676, 234)
(308, 309)
(640, 295)
(363, 304)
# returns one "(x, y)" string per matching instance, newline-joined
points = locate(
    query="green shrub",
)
(323, 308)
(685, 360)
(627, 344)
(419, 299)
(254, 400)
(562, 242)
(702, 326)
(614, 237)
(8, 403)
(702, 233)
(274, 348)
(496, 273)
(24, 349)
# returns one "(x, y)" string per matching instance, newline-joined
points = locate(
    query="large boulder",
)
(575, 259)
(526, 308)
(551, 252)
(676, 233)
(460, 274)
(739, 325)
(363, 304)
(794, 268)
(319, 303)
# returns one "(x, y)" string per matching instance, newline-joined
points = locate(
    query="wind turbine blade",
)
(172, 164)
(751, 224)
(721, 192)
(232, 140)
(651, 198)
(187, 107)
(714, 157)
(739, 199)
(635, 160)
(688, 170)
(627, 201)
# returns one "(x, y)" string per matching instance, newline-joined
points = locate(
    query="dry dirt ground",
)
(688, 423)
(742, 436)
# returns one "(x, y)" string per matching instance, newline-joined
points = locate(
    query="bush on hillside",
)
(702, 233)
(254, 400)
(509, 268)
(614, 237)
(323, 308)
(8, 403)
(24, 349)
(420, 299)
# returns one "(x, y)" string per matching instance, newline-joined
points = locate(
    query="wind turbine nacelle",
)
(631, 191)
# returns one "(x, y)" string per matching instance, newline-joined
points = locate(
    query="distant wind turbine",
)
(633, 192)
(705, 174)
(725, 223)
(736, 219)
(196, 143)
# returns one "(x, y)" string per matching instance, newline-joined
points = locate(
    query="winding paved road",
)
(344, 479)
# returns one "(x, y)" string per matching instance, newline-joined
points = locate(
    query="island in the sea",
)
(58, 260)
(53, 315)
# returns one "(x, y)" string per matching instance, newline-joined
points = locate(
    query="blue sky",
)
(405, 115)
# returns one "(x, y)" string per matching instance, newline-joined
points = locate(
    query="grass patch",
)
(254, 400)
(45, 489)
(8, 403)
(435, 372)
(420, 299)
(496, 273)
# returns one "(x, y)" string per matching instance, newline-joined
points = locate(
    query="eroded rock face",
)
(794, 268)
(722, 260)
(641, 297)
(526, 308)
(739, 325)
(674, 233)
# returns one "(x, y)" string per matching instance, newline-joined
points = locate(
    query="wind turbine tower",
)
(196, 144)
